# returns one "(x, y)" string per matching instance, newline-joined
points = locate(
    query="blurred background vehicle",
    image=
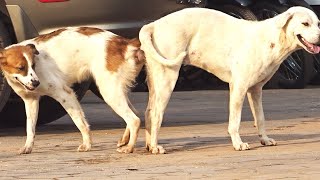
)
(25, 19)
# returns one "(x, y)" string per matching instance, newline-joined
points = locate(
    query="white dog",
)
(243, 53)
(49, 64)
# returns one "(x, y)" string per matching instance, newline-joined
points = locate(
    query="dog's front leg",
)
(32, 109)
(67, 98)
(237, 94)
(255, 100)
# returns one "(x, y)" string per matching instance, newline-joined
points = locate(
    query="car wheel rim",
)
(291, 68)
(316, 61)
(235, 15)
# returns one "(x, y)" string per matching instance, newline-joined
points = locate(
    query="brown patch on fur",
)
(284, 41)
(139, 56)
(88, 31)
(135, 42)
(12, 59)
(46, 37)
(117, 49)
(283, 32)
(272, 45)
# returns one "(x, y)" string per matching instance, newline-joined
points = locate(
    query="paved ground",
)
(194, 133)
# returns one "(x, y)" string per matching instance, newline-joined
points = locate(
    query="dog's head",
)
(18, 65)
(302, 25)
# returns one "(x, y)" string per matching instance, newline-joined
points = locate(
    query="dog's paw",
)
(255, 124)
(268, 142)
(84, 147)
(242, 147)
(125, 149)
(122, 143)
(25, 150)
(157, 150)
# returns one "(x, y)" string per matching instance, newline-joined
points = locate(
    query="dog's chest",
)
(262, 73)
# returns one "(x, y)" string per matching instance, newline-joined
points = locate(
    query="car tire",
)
(238, 12)
(316, 62)
(297, 70)
(5, 89)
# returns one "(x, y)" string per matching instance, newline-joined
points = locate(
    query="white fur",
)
(243, 53)
(72, 57)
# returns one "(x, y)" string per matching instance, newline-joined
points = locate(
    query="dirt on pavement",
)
(194, 134)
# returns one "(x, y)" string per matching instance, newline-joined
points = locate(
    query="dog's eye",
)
(21, 68)
(305, 24)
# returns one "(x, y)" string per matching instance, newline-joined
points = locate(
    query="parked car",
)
(25, 19)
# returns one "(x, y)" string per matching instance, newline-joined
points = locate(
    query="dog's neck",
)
(281, 50)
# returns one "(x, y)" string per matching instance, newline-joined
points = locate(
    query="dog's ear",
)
(2, 58)
(283, 19)
(33, 48)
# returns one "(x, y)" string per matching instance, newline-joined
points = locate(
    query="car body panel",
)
(313, 2)
(121, 16)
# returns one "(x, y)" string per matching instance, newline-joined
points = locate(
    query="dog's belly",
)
(227, 69)
(221, 69)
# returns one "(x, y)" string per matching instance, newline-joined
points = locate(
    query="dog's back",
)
(83, 51)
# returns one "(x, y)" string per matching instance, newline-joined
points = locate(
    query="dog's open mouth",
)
(30, 89)
(25, 86)
(312, 48)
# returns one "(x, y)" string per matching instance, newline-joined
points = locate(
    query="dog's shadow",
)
(172, 144)
(205, 143)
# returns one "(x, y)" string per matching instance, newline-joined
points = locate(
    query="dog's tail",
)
(145, 37)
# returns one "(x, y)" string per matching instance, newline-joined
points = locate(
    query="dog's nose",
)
(35, 83)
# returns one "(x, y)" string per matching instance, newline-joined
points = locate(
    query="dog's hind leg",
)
(126, 135)
(161, 83)
(32, 109)
(67, 98)
(255, 100)
(125, 138)
(147, 114)
(116, 98)
(237, 94)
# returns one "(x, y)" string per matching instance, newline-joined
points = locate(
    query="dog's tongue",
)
(314, 48)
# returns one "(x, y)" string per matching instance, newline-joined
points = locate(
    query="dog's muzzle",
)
(312, 48)
(35, 83)
(30, 86)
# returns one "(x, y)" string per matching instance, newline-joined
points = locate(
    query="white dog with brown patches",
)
(243, 53)
(51, 63)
